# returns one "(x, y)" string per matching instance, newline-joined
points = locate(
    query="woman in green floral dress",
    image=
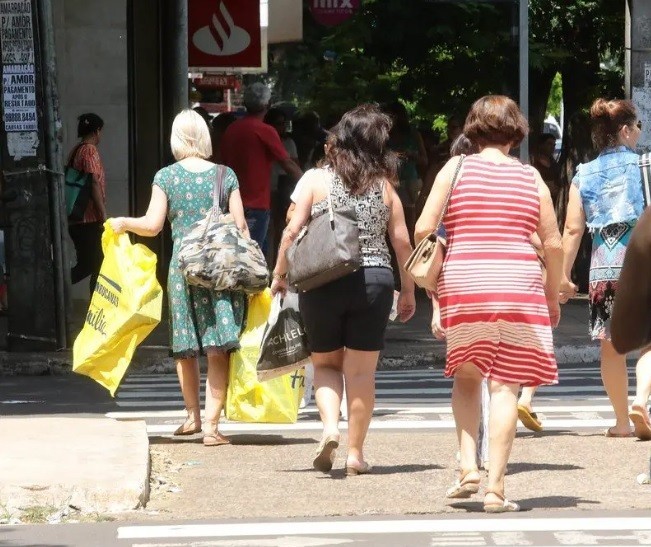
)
(201, 321)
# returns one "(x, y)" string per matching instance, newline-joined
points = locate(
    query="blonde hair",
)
(190, 136)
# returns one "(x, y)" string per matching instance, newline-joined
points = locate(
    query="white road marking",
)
(354, 527)
(168, 429)
(398, 410)
(275, 542)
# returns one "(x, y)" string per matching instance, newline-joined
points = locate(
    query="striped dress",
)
(493, 305)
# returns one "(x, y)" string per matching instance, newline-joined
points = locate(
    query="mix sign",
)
(333, 12)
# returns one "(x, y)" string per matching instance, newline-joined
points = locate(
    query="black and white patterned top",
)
(372, 218)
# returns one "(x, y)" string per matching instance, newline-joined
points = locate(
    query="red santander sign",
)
(224, 33)
(333, 12)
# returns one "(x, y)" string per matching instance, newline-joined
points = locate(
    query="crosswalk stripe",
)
(230, 427)
(371, 526)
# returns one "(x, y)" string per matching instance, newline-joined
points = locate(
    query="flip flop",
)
(609, 433)
(215, 439)
(464, 487)
(529, 419)
(504, 506)
(353, 470)
(641, 422)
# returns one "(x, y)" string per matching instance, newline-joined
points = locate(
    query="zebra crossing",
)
(405, 400)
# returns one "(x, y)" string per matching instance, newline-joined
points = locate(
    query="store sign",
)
(219, 81)
(224, 33)
(18, 78)
(333, 12)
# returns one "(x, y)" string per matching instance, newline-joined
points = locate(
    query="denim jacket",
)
(610, 188)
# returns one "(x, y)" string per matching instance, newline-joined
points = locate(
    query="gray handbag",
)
(326, 249)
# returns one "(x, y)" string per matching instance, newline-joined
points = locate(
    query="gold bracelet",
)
(280, 276)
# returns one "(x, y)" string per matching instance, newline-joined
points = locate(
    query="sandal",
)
(189, 427)
(529, 419)
(325, 453)
(465, 486)
(504, 506)
(612, 435)
(215, 439)
(639, 415)
(354, 470)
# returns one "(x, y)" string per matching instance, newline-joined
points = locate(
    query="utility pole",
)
(524, 72)
(32, 316)
(638, 64)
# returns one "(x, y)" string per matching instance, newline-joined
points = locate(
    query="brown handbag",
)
(326, 249)
(426, 262)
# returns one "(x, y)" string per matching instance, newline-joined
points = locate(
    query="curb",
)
(157, 360)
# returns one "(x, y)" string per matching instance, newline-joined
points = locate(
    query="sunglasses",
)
(639, 125)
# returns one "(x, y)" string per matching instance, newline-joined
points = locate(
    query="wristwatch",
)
(280, 276)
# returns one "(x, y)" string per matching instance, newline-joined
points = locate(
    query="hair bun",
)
(602, 108)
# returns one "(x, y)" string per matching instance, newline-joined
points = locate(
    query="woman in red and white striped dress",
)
(495, 311)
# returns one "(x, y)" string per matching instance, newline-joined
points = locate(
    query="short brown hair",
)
(608, 117)
(495, 119)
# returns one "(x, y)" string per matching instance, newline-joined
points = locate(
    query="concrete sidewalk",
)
(95, 465)
(407, 345)
(271, 476)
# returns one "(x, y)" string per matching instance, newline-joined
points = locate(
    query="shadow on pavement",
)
(529, 504)
(377, 470)
(11, 543)
(249, 439)
(66, 394)
(554, 433)
(523, 467)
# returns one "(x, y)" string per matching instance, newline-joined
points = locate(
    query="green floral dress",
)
(215, 317)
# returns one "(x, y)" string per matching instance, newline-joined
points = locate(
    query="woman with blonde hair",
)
(606, 197)
(345, 320)
(201, 321)
(496, 313)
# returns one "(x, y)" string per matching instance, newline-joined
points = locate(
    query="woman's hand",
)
(554, 307)
(568, 290)
(406, 306)
(118, 224)
(279, 286)
(437, 329)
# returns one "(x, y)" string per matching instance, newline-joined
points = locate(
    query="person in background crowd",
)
(543, 160)
(407, 142)
(250, 147)
(219, 125)
(309, 136)
(431, 141)
(87, 234)
(606, 197)
(345, 320)
(201, 321)
(438, 158)
(496, 313)
(282, 184)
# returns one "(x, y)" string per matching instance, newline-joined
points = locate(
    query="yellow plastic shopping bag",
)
(124, 309)
(247, 399)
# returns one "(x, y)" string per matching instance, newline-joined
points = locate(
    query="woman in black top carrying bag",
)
(345, 319)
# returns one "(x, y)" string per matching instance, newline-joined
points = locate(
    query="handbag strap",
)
(449, 196)
(645, 167)
(218, 188)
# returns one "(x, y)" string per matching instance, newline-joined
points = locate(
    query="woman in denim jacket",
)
(606, 197)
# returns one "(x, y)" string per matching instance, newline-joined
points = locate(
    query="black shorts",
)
(351, 312)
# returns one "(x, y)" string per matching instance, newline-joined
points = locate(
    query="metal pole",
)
(175, 55)
(524, 72)
(54, 160)
(627, 48)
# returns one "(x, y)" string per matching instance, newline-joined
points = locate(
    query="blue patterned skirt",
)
(608, 250)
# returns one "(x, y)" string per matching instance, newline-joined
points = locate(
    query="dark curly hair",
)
(357, 149)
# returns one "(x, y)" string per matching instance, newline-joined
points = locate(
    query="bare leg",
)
(526, 397)
(466, 407)
(329, 384)
(189, 379)
(615, 379)
(503, 422)
(217, 379)
(643, 378)
(359, 371)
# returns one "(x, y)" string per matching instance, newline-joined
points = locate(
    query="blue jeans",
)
(258, 223)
